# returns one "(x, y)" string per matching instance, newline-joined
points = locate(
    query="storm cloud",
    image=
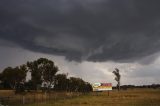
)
(91, 30)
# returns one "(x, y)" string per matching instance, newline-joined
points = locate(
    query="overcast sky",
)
(85, 38)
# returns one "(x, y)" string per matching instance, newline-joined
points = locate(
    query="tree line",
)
(43, 76)
(153, 86)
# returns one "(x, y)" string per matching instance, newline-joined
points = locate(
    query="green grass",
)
(132, 97)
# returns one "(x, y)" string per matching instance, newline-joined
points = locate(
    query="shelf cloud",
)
(90, 30)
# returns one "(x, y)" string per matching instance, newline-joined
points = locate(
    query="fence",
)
(35, 97)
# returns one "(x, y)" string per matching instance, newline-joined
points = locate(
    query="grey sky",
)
(83, 32)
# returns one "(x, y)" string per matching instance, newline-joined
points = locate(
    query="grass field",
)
(131, 97)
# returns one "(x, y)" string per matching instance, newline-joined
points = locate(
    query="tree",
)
(21, 73)
(48, 70)
(0, 77)
(117, 77)
(11, 77)
(8, 77)
(35, 74)
(61, 82)
(1, 86)
(42, 70)
(73, 84)
(79, 85)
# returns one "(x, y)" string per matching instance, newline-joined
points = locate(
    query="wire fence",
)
(35, 97)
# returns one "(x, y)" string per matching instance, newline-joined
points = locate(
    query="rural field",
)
(130, 97)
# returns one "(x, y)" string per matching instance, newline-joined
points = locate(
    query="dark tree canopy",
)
(71, 84)
(0, 76)
(42, 70)
(12, 76)
(61, 82)
(77, 84)
(117, 77)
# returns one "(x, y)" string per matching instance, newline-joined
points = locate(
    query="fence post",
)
(23, 99)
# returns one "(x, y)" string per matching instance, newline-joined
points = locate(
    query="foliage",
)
(42, 70)
(61, 82)
(117, 77)
(78, 85)
(35, 73)
(0, 76)
(12, 76)
(72, 84)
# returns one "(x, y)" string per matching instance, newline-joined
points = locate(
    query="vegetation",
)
(12, 77)
(131, 97)
(137, 97)
(117, 78)
(47, 88)
(43, 72)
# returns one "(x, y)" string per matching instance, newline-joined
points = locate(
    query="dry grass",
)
(10, 98)
(134, 97)
(131, 97)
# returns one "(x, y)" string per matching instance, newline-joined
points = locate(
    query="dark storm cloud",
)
(94, 30)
